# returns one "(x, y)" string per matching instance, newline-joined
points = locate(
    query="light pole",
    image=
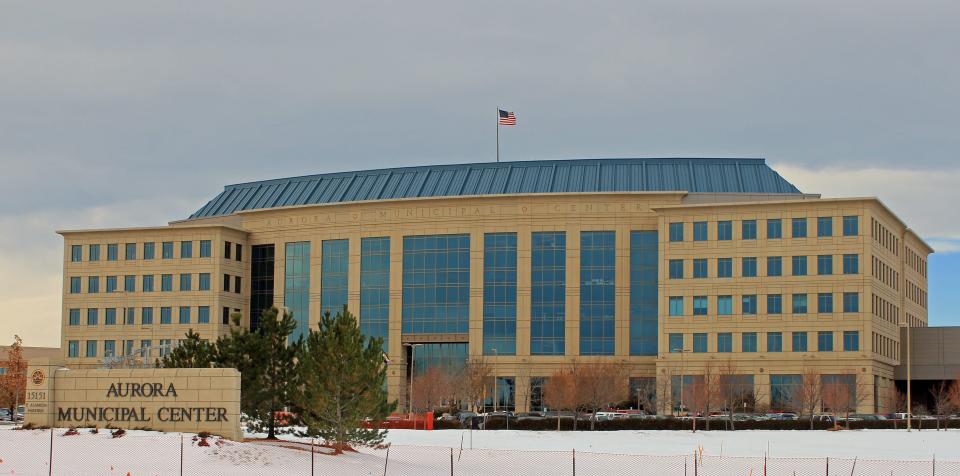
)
(909, 394)
(413, 353)
(682, 370)
(495, 395)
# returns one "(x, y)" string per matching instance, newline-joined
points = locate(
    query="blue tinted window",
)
(548, 293)
(147, 283)
(774, 342)
(700, 268)
(825, 341)
(186, 249)
(799, 228)
(206, 248)
(699, 342)
(93, 284)
(824, 264)
(774, 229)
(799, 266)
(146, 316)
(166, 315)
(799, 342)
(597, 292)
(334, 266)
(824, 302)
(676, 231)
(774, 304)
(109, 348)
(166, 251)
(74, 317)
(184, 314)
(203, 314)
(675, 342)
(851, 341)
(774, 266)
(748, 230)
(851, 302)
(203, 282)
(749, 265)
(676, 269)
(724, 267)
(851, 225)
(186, 283)
(166, 282)
(129, 283)
(700, 305)
(93, 253)
(91, 348)
(448, 356)
(724, 342)
(74, 284)
(700, 231)
(676, 305)
(76, 253)
(500, 293)
(375, 287)
(129, 314)
(749, 341)
(799, 303)
(296, 286)
(148, 250)
(111, 284)
(112, 252)
(851, 264)
(782, 391)
(644, 293)
(130, 251)
(436, 284)
(749, 304)
(725, 230)
(824, 226)
(93, 317)
(724, 305)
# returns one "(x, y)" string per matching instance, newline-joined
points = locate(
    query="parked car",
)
(529, 416)
(465, 416)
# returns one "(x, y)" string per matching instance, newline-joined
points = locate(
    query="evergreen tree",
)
(191, 353)
(343, 379)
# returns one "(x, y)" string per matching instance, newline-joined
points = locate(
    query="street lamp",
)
(682, 351)
(413, 353)
(906, 323)
(495, 395)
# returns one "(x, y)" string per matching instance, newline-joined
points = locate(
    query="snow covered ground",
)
(424, 453)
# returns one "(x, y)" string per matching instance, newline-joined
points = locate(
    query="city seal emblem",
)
(37, 376)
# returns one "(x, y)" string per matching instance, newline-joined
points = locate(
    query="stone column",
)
(41, 402)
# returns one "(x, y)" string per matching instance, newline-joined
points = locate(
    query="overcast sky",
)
(136, 113)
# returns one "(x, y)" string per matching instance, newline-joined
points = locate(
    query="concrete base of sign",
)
(185, 400)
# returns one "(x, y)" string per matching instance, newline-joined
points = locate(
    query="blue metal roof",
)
(498, 178)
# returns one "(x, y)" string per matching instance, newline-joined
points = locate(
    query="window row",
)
(700, 267)
(749, 342)
(882, 235)
(128, 315)
(147, 251)
(723, 229)
(116, 348)
(724, 304)
(112, 284)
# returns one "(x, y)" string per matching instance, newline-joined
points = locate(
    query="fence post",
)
(695, 463)
(574, 462)
(765, 464)
(385, 461)
(828, 466)
(311, 456)
(181, 454)
(50, 460)
(451, 461)
(934, 464)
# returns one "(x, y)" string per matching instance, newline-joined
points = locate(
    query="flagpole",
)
(498, 134)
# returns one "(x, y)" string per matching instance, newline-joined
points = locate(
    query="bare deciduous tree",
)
(735, 390)
(559, 393)
(647, 394)
(806, 398)
(896, 402)
(431, 389)
(599, 385)
(477, 374)
(943, 403)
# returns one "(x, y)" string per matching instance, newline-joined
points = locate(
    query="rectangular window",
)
(783, 388)
(749, 304)
(148, 283)
(700, 268)
(851, 341)
(500, 293)
(146, 316)
(825, 341)
(676, 305)
(225, 316)
(676, 231)
(749, 267)
(166, 315)
(184, 314)
(597, 292)
(548, 293)
(799, 266)
(851, 264)
(148, 250)
(226, 283)
(129, 283)
(145, 346)
(111, 284)
(436, 284)
(824, 226)
(166, 282)
(109, 348)
(262, 267)
(824, 265)
(237, 288)
(110, 316)
(73, 348)
(774, 304)
(74, 317)
(129, 316)
(76, 253)
(203, 315)
(724, 230)
(206, 248)
(724, 267)
(93, 253)
(203, 282)
(700, 305)
(774, 342)
(239, 252)
(166, 250)
(93, 284)
(851, 302)
(334, 265)
(774, 266)
(700, 342)
(799, 341)
(227, 248)
(374, 285)
(700, 231)
(93, 316)
(824, 302)
(774, 229)
(799, 303)
(186, 282)
(851, 225)
(799, 228)
(113, 252)
(676, 269)
(186, 249)
(128, 347)
(749, 342)
(74, 285)
(165, 347)
(91, 348)
(130, 251)
(724, 305)
(748, 229)
(724, 342)
(675, 342)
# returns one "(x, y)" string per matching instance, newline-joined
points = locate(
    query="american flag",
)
(507, 118)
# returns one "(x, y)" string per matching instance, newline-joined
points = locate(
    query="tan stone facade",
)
(890, 281)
